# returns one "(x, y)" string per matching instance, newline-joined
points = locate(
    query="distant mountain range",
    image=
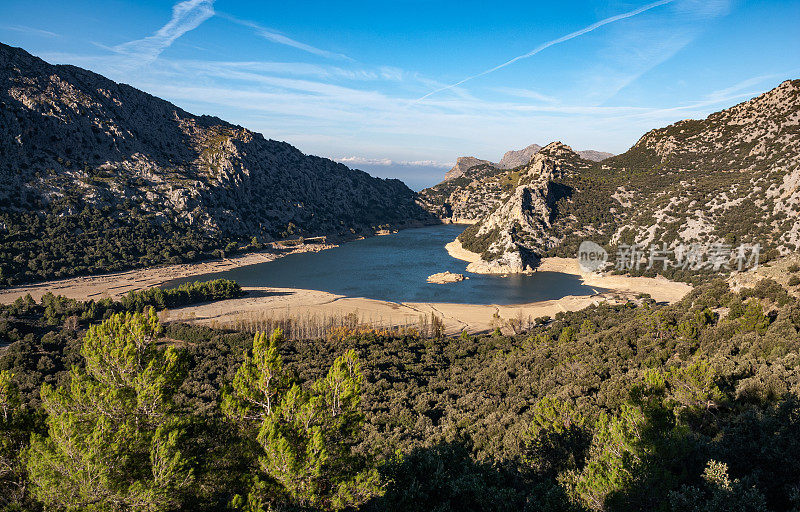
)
(729, 179)
(97, 176)
(512, 159)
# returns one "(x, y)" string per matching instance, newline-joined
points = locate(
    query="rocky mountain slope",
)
(732, 178)
(464, 164)
(594, 156)
(96, 175)
(512, 159)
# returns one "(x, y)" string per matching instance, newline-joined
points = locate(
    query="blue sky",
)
(402, 88)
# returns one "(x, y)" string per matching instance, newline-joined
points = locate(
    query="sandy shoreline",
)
(457, 251)
(262, 303)
(659, 288)
(117, 284)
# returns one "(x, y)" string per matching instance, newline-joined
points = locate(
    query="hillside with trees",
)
(729, 179)
(98, 176)
(685, 407)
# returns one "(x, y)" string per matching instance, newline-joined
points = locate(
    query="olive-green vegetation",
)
(305, 435)
(685, 407)
(113, 438)
(91, 240)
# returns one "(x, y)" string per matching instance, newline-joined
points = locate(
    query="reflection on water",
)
(395, 268)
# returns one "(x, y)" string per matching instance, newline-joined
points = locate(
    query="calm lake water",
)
(395, 268)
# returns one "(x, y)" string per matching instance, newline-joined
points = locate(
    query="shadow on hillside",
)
(444, 477)
(759, 444)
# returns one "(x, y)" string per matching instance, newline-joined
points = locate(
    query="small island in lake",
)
(446, 277)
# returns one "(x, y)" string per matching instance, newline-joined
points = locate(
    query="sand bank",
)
(280, 303)
(457, 251)
(660, 288)
(276, 303)
(117, 284)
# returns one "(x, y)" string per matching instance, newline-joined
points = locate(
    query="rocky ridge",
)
(511, 238)
(512, 159)
(464, 164)
(732, 178)
(523, 156)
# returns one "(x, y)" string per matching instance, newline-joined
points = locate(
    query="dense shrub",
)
(632, 407)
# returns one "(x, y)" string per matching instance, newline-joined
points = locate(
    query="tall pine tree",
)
(306, 434)
(113, 433)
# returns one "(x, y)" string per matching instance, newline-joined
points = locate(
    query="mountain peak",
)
(744, 136)
(557, 149)
(463, 164)
(514, 158)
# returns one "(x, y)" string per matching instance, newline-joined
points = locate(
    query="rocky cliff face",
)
(523, 156)
(512, 159)
(732, 178)
(464, 164)
(594, 156)
(513, 237)
(73, 141)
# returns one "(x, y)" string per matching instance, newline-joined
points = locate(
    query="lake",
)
(395, 268)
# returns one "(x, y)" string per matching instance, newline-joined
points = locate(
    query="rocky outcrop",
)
(464, 164)
(446, 277)
(523, 156)
(595, 156)
(519, 231)
(732, 178)
(512, 159)
(474, 188)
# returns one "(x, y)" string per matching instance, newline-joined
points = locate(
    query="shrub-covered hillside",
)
(731, 179)
(692, 406)
(97, 176)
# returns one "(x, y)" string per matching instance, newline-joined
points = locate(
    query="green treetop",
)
(113, 432)
(306, 434)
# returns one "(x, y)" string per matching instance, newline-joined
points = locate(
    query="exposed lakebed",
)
(396, 267)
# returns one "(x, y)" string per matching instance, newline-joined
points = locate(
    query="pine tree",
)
(306, 434)
(114, 435)
(613, 457)
(14, 432)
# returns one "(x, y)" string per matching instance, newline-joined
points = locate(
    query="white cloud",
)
(525, 93)
(276, 37)
(553, 42)
(351, 109)
(186, 16)
(30, 30)
(360, 160)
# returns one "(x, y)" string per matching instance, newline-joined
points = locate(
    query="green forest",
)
(693, 406)
(92, 240)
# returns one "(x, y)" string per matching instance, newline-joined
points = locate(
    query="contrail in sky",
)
(548, 44)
